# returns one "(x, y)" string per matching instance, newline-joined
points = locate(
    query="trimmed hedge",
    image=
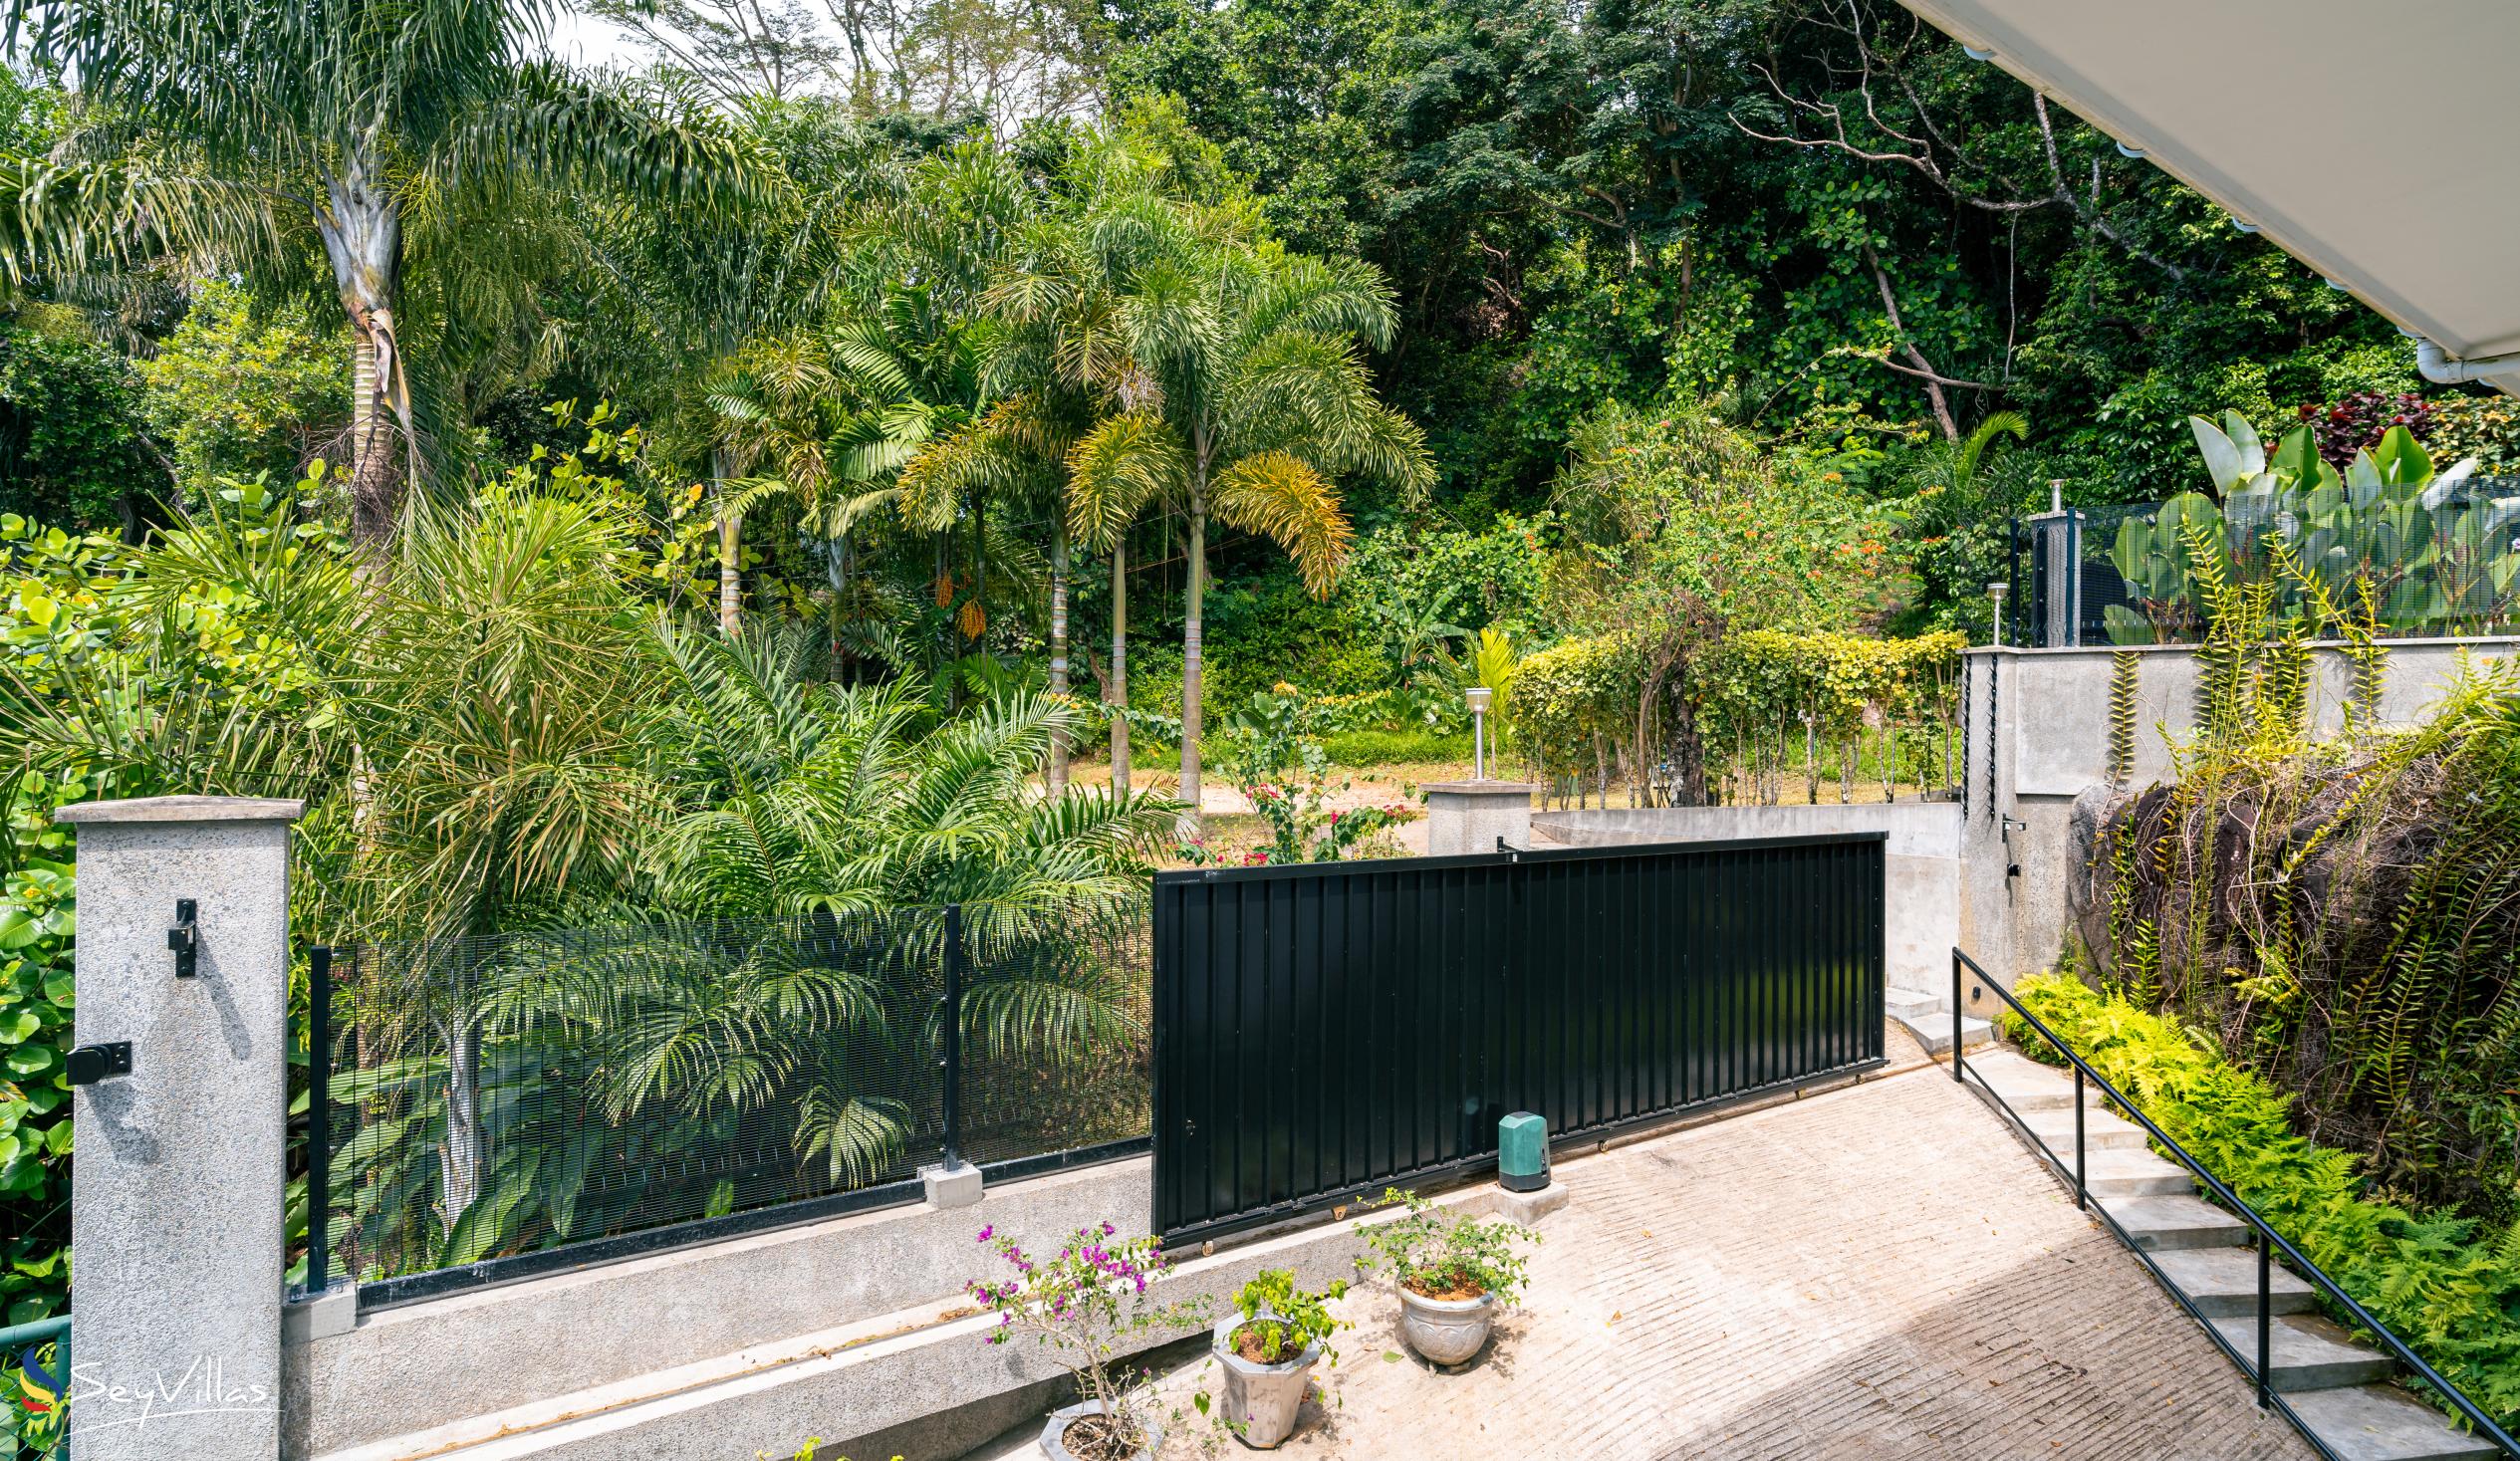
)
(2449, 1291)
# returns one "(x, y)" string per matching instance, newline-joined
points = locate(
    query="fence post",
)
(181, 1117)
(319, 1120)
(1959, 1013)
(953, 1035)
(2265, 1311)
(1465, 817)
(2082, 1178)
(953, 1182)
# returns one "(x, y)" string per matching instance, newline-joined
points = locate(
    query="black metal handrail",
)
(2301, 1265)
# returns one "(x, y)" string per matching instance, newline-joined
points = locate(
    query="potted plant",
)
(1082, 1305)
(1268, 1346)
(1452, 1274)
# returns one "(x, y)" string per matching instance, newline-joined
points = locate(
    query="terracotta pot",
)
(1061, 1419)
(1446, 1331)
(1262, 1398)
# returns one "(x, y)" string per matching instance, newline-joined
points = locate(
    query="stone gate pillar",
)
(176, 1206)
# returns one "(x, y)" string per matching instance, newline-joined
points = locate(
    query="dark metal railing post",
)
(319, 1120)
(2266, 1319)
(2082, 1179)
(953, 1059)
(1956, 1017)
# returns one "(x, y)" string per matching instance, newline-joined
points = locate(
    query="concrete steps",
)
(2385, 1423)
(2130, 1173)
(2026, 1086)
(1929, 1018)
(2101, 1132)
(2339, 1389)
(2307, 1352)
(2222, 1281)
(2165, 1223)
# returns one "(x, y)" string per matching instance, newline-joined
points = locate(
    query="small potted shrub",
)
(1452, 1274)
(1268, 1346)
(1082, 1304)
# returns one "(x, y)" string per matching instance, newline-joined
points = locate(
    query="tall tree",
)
(1256, 399)
(235, 128)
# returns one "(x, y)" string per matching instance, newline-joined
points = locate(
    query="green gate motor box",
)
(1522, 1153)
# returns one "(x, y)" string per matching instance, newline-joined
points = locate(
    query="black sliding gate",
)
(1321, 1031)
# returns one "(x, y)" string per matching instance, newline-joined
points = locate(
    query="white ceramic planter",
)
(1262, 1398)
(1057, 1426)
(1447, 1332)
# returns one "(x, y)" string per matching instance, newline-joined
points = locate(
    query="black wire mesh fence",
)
(492, 1099)
(2440, 559)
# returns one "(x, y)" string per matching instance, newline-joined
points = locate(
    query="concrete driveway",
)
(1879, 1272)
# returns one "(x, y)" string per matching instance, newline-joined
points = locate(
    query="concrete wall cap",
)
(2480, 642)
(1480, 788)
(184, 809)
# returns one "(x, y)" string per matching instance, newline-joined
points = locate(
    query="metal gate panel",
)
(1325, 1030)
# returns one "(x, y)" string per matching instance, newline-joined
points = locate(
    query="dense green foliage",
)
(717, 492)
(2449, 1286)
(2394, 531)
(536, 745)
(2338, 908)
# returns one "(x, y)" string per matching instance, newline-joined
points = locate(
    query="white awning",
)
(2377, 142)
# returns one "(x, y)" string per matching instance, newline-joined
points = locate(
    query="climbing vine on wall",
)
(2341, 911)
(2122, 670)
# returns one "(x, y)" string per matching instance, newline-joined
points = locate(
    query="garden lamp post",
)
(1478, 696)
(1996, 591)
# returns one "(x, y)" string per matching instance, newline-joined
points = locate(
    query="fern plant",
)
(2447, 1284)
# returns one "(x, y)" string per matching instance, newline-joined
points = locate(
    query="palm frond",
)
(1281, 497)
(1123, 463)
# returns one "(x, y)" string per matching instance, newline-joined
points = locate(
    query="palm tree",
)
(236, 127)
(800, 799)
(1958, 495)
(1254, 400)
(765, 406)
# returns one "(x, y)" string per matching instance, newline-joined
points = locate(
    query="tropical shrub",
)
(1274, 631)
(2434, 556)
(1418, 589)
(1780, 702)
(1827, 706)
(2449, 1286)
(2486, 428)
(1394, 747)
(2356, 421)
(240, 392)
(70, 450)
(1285, 774)
(1573, 698)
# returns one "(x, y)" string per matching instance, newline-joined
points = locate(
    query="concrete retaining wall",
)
(1923, 864)
(2037, 737)
(421, 1365)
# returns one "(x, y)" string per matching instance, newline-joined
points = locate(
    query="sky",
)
(583, 40)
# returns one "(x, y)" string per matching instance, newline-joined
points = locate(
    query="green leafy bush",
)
(1408, 586)
(1459, 1257)
(1390, 747)
(1283, 1321)
(69, 440)
(2449, 1291)
(1574, 694)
